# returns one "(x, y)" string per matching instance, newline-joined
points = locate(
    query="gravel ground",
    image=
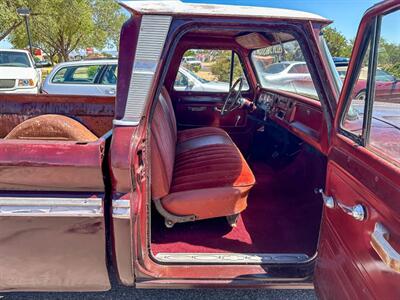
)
(209, 294)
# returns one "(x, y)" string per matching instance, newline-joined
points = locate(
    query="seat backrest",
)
(163, 143)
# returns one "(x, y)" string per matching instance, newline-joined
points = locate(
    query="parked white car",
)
(187, 80)
(286, 71)
(18, 73)
(99, 78)
(90, 77)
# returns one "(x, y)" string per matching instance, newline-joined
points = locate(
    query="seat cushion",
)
(211, 178)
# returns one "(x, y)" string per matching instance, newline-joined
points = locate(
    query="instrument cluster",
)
(265, 101)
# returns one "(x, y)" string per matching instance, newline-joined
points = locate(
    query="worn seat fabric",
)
(198, 171)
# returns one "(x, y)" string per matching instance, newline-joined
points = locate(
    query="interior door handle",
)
(380, 243)
(357, 211)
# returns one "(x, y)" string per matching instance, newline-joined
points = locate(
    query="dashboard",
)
(301, 116)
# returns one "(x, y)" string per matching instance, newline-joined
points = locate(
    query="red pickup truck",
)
(165, 187)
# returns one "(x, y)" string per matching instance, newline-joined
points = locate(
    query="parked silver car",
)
(90, 77)
(99, 78)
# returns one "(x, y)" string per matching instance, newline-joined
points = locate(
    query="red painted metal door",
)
(360, 234)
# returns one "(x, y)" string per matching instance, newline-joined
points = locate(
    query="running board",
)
(232, 258)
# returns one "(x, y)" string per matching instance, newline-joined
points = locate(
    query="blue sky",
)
(346, 14)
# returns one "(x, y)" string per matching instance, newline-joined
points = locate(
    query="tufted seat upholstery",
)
(196, 172)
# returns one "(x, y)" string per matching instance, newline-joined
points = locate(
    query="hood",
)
(17, 73)
(216, 86)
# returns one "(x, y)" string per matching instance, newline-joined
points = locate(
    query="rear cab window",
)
(204, 70)
(282, 67)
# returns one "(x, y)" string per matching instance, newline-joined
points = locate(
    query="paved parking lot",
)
(208, 294)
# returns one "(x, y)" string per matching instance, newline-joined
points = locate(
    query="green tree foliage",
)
(9, 19)
(337, 43)
(222, 66)
(389, 57)
(61, 26)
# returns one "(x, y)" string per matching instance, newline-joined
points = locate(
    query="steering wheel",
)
(233, 100)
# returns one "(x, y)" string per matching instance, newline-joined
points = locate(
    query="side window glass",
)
(77, 75)
(110, 75)
(84, 74)
(381, 99)
(204, 70)
(59, 77)
(385, 124)
(283, 67)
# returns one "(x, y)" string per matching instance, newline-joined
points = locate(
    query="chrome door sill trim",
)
(233, 258)
(50, 207)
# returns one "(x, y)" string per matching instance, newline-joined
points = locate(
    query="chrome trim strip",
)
(50, 207)
(232, 258)
(125, 123)
(121, 209)
(152, 36)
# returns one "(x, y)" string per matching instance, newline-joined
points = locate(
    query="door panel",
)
(346, 253)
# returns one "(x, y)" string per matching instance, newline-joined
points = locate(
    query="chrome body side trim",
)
(152, 36)
(121, 209)
(233, 258)
(50, 207)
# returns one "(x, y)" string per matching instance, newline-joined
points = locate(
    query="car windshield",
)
(14, 59)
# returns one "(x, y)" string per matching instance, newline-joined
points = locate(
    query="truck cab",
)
(280, 178)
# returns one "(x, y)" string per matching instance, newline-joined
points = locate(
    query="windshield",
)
(14, 59)
(283, 67)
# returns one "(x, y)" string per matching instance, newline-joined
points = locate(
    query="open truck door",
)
(360, 236)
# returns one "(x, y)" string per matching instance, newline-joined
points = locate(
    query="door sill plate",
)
(232, 258)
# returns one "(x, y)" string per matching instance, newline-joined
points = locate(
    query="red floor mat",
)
(283, 216)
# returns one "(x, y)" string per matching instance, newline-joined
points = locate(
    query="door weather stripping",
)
(121, 209)
(152, 36)
(232, 258)
(50, 207)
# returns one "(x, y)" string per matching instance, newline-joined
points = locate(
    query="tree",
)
(337, 43)
(61, 26)
(9, 19)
